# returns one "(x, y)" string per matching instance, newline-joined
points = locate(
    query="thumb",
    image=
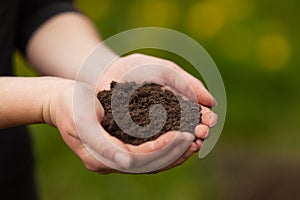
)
(105, 148)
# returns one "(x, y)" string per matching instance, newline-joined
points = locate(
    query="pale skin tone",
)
(57, 49)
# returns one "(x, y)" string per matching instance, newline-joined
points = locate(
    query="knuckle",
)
(171, 64)
(136, 55)
(100, 169)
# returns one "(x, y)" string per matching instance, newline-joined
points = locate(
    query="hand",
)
(140, 68)
(60, 112)
(103, 153)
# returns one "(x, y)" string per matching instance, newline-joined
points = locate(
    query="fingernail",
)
(123, 160)
(194, 149)
(214, 102)
(213, 119)
(206, 135)
(199, 144)
(188, 136)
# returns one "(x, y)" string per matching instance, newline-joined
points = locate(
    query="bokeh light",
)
(273, 51)
(206, 19)
(154, 13)
(238, 10)
(94, 12)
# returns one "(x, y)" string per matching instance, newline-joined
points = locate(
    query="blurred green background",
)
(254, 43)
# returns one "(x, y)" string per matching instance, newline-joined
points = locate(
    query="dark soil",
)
(181, 114)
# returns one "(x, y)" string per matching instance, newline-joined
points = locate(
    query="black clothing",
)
(17, 180)
(18, 20)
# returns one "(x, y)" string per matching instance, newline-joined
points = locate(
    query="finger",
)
(192, 149)
(191, 87)
(175, 151)
(201, 131)
(155, 145)
(147, 68)
(90, 162)
(162, 155)
(199, 143)
(171, 75)
(203, 95)
(209, 118)
(93, 164)
(105, 148)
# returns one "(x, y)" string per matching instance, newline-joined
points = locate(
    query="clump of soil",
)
(180, 113)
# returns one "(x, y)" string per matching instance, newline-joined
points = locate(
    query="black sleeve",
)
(33, 13)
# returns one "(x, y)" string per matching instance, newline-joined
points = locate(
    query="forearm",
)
(23, 100)
(60, 45)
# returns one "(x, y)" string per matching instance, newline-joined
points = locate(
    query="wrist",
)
(58, 97)
(24, 100)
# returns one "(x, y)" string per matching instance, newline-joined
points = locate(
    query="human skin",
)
(57, 49)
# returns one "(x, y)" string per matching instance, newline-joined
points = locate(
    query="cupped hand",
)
(75, 111)
(79, 125)
(174, 147)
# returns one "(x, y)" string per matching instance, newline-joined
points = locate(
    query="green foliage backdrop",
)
(255, 45)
